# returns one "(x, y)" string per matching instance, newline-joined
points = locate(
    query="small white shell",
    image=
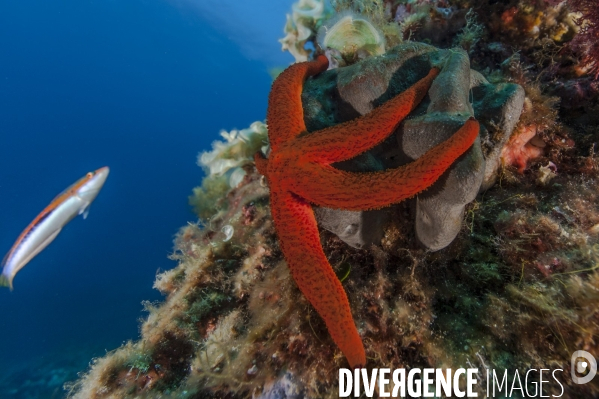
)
(228, 230)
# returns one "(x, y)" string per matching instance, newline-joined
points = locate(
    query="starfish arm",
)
(285, 116)
(346, 140)
(300, 242)
(261, 163)
(326, 186)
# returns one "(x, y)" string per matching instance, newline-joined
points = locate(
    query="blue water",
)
(139, 86)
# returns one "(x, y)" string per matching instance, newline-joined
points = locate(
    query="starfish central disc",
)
(299, 174)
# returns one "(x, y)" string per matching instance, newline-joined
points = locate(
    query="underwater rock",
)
(519, 291)
(357, 229)
(233, 324)
(284, 388)
(441, 24)
(340, 95)
(578, 97)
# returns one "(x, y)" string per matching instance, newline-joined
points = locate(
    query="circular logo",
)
(578, 366)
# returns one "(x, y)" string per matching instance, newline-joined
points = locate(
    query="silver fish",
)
(74, 201)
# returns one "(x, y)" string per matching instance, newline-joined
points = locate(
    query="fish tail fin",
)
(5, 281)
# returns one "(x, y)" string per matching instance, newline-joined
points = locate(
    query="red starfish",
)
(299, 173)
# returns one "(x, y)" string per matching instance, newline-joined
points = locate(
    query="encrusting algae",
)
(517, 289)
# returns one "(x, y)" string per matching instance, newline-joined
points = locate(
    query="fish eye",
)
(89, 175)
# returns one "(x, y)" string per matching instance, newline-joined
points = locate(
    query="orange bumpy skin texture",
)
(299, 173)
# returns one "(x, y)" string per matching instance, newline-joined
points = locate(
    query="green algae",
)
(139, 361)
(206, 305)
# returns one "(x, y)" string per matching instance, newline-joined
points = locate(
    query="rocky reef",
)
(496, 266)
